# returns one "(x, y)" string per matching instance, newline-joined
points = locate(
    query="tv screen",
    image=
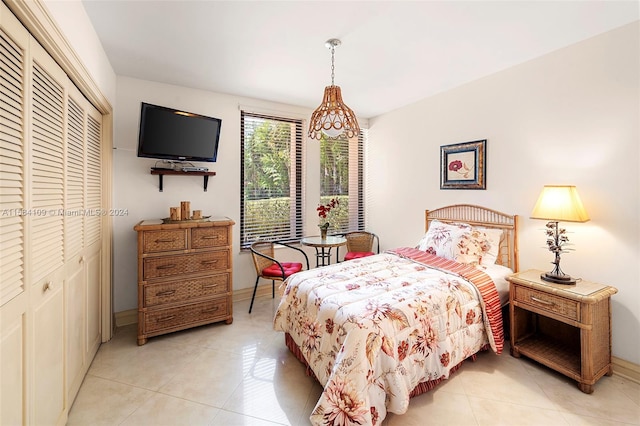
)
(170, 134)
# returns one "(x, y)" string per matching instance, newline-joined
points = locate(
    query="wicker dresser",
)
(184, 275)
(565, 327)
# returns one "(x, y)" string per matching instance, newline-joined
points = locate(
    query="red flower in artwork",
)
(456, 165)
(324, 209)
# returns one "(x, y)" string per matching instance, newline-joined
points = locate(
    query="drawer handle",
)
(209, 285)
(210, 237)
(173, 265)
(166, 240)
(169, 318)
(210, 311)
(209, 262)
(544, 302)
(165, 293)
(47, 286)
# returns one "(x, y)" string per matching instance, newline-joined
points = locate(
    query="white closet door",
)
(12, 202)
(45, 234)
(14, 42)
(93, 230)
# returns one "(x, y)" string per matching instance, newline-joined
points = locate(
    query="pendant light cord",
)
(333, 73)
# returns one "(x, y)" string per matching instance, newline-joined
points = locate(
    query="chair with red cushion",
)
(360, 244)
(269, 268)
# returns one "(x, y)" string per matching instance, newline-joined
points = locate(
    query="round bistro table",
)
(323, 247)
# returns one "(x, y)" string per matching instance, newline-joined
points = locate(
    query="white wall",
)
(136, 190)
(570, 117)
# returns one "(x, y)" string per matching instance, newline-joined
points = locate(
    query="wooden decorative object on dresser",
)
(184, 275)
(565, 327)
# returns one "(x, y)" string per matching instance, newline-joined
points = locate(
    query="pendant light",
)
(333, 117)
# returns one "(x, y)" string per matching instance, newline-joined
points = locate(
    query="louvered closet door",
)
(12, 75)
(14, 41)
(45, 235)
(93, 230)
(82, 258)
(75, 283)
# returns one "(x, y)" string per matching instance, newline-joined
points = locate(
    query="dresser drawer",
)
(167, 266)
(164, 240)
(184, 290)
(549, 302)
(216, 236)
(197, 313)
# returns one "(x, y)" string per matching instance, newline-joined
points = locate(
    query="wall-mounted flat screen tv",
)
(170, 134)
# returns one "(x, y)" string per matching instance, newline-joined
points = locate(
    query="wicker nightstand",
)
(565, 327)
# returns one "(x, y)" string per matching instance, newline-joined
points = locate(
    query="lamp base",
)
(558, 279)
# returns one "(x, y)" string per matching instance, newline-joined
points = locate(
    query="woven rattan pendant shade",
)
(333, 117)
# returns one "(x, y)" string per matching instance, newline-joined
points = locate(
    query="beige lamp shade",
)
(560, 203)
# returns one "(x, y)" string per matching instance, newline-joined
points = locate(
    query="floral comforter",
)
(372, 329)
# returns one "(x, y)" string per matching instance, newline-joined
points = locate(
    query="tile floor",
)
(242, 374)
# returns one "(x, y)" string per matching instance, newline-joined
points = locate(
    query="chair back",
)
(360, 241)
(265, 248)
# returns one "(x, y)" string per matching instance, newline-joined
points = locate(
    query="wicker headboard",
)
(481, 216)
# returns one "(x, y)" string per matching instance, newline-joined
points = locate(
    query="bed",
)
(379, 330)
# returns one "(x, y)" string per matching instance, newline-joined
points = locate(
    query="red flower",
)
(456, 165)
(324, 209)
(471, 316)
(444, 359)
(403, 350)
(328, 324)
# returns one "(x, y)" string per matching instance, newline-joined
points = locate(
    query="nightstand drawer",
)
(549, 302)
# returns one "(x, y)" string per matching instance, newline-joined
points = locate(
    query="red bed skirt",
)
(419, 389)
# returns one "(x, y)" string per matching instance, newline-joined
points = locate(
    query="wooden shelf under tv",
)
(162, 172)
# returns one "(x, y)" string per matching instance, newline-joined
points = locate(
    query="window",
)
(341, 177)
(271, 177)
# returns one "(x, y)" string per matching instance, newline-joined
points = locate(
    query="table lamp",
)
(558, 203)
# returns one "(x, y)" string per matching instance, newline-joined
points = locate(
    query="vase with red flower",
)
(323, 215)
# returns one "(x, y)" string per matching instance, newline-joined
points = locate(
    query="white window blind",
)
(271, 178)
(341, 177)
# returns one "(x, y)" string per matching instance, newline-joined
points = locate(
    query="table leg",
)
(323, 256)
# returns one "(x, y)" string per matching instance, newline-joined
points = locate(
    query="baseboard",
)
(126, 317)
(264, 290)
(626, 369)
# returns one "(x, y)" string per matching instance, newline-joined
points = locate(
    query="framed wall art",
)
(462, 165)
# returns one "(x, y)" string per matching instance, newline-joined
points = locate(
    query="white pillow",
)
(489, 241)
(451, 241)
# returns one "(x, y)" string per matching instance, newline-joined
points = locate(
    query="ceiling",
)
(393, 52)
